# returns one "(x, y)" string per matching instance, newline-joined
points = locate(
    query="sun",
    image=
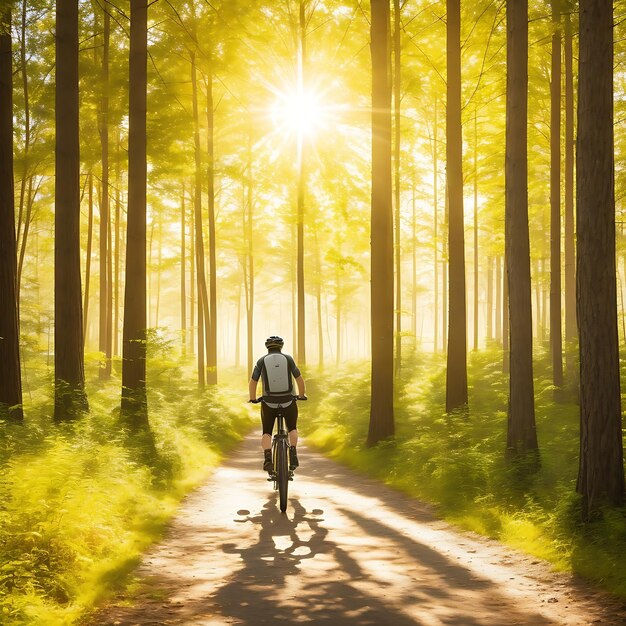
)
(300, 112)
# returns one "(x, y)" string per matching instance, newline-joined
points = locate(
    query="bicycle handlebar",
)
(292, 397)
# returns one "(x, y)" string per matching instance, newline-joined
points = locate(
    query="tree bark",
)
(397, 76)
(104, 334)
(475, 177)
(521, 433)
(498, 299)
(183, 273)
(88, 254)
(381, 424)
(571, 331)
(212, 310)
(203, 300)
(435, 232)
(301, 330)
(26, 186)
(601, 469)
(456, 371)
(556, 337)
(249, 236)
(134, 400)
(69, 398)
(10, 377)
(116, 258)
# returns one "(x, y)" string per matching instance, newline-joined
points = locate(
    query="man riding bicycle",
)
(278, 371)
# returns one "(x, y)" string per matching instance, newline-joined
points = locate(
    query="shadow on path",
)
(348, 551)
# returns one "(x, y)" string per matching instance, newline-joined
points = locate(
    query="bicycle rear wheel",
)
(282, 474)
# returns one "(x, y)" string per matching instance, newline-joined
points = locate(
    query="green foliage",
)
(79, 502)
(457, 462)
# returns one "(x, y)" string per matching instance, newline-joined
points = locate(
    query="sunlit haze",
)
(299, 111)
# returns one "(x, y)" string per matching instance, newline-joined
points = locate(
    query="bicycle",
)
(281, 474)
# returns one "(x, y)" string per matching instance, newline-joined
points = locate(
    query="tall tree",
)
(10, 378)
(521, 434)
(248, 262)
(105, 336)
(69, 398)
(556, 338)
(134, 402)
(301, 331)
(569, 241)
(397, 77)
(203, 299)
(381, 423)
(212, 319)
(183, 273)
(89, 183)
(601, 469)
(456, 374)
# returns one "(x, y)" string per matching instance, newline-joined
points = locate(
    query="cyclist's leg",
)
(268, 418)
(291, 420)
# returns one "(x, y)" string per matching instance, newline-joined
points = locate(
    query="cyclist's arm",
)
(252, 388)
(301, 386)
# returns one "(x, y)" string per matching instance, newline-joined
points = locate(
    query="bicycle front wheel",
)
(282, 474)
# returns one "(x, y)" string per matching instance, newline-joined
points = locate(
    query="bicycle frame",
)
(280, 459)
(281, 474)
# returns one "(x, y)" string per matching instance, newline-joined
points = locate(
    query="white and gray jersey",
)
(277, 371)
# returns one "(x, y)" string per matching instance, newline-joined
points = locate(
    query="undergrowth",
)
(457, 462)
(79, 502)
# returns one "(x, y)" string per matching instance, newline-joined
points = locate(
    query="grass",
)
(457, 462)
(80, 502)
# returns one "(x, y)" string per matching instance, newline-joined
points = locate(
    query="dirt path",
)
(348, 551)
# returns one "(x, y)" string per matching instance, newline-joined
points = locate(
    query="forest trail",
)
(349, 550)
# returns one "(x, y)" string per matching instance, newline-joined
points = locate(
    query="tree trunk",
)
(601, 470)
(88, 255)
(475, 230)
(444, 269)
(116, 278)
(556, 339)
(396, 188)
(301, 331)
(159, 262)
(456, 372)
(104, 336)
(203, 300)
(69, 398)
(134, 400)
(571, 331)
(414, 261)
(294, 286)
(318, 298)
(498, 299)
(381, 424)
(212, 311)
(192, 278)
(26, 186)
(249, 235)
(521, 433)
(183, 274)
(435, 234)
(489, 307)
(10, 378)
(506, 355)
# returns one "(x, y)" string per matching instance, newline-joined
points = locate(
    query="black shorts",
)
(268, 417)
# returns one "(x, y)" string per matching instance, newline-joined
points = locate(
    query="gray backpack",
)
(278, 378)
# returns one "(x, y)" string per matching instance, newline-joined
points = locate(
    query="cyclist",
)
(278, 371)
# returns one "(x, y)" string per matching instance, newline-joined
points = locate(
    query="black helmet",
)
(274, 342)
